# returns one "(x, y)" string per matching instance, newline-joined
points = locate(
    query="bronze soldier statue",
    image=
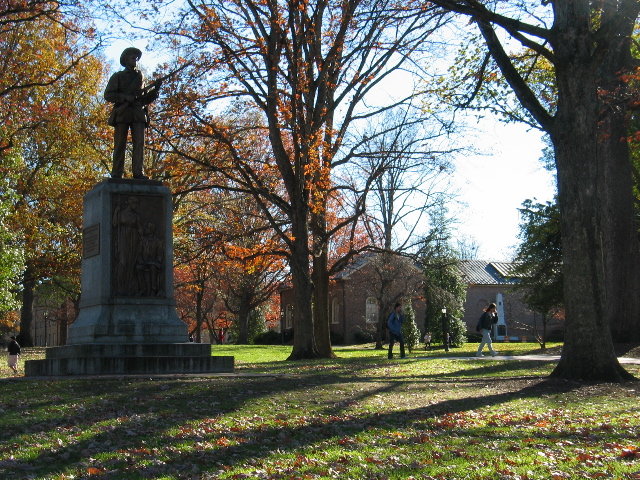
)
(127, 91)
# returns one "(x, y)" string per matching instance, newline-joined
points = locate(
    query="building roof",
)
(481, 272)
(356, 264)
(363, 259)
(474, 272)
(506, 269)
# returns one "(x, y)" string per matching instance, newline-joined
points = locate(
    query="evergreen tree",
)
(539, 260)
(410, 331)
(444, 286)
(257, 322)
(457, 332)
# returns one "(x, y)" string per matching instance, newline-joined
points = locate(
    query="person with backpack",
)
(486, 321)
(394, 324)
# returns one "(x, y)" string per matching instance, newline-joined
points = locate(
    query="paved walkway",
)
(534, 358)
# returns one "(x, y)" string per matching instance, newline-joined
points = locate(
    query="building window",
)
(288, 318)
(335, 311)
(372, 310)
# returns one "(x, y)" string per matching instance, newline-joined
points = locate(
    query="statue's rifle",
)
(158, 81)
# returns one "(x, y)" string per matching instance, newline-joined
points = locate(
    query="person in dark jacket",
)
(394, 324)
(13, 348)
(487, 319)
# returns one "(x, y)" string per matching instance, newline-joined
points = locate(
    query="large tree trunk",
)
(304, 344)
(244, 309)
(321, 324)
(585, 196)
(620, 235)
(622, 244)
(26, 313)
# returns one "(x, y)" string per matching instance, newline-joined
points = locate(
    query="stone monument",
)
(127, 322)
(127, 265)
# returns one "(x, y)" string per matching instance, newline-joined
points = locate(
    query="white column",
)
(501, 319)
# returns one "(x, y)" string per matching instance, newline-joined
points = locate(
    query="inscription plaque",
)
(91, 241)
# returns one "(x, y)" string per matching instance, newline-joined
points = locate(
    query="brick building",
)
(371, 285)
(492, 282)
(364, 292)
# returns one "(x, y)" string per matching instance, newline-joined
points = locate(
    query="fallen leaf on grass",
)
(222, 442)
(585, 457)
(374, 460)
(630, 452)
(95, 471)
(346, 441)
(422, 438)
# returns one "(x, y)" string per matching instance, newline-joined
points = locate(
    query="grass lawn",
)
(359, 416)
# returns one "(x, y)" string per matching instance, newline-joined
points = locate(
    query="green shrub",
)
(270, 337)
(457, 333)
(336, 338)
(363, 336)
(474, 337)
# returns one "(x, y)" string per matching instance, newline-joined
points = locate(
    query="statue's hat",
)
(128, 51)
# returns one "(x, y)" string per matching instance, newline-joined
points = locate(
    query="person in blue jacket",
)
(394, 324)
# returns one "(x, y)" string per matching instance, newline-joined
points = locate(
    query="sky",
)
(491, 183)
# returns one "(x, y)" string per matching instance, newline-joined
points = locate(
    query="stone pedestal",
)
(127, 266)
(127, 290)
(129, 359)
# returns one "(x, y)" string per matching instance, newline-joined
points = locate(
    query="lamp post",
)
(45, 318)
(445, 329)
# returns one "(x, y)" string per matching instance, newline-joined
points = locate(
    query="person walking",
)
(394, 324)
(486, 321)
(427, 340)
(13, 348)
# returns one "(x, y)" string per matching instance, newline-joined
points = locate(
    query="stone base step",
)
(123, 359)
(187, 349)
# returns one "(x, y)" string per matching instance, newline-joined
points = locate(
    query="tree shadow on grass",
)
(142, 417)
(101, 400)
(503, 367)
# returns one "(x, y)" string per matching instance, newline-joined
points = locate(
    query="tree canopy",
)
(51, 135)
